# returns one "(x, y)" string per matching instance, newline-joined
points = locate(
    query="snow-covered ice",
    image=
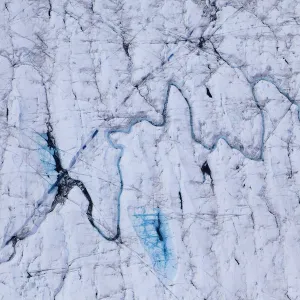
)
(150, 149)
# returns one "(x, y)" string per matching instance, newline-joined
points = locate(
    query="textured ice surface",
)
(149, 149)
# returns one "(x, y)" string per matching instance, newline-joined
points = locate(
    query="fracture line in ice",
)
(45, 204)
